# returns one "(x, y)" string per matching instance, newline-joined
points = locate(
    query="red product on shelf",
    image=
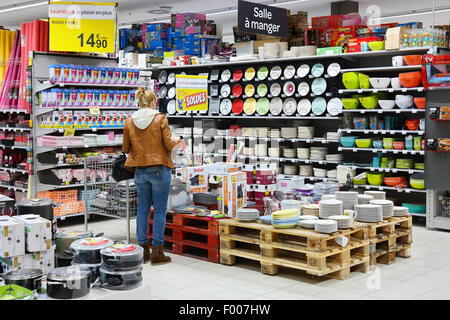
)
(410, 79)
(237, 107)
(265, 177)
(354, 45)
(237, 75)
(237, 90)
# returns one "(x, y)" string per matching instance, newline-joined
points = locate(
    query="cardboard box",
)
(394, 37)
(354, 45)
(12, 237)
(328, 51)
(234, 192)
(38, 232)
(16, 263)
(44, 260)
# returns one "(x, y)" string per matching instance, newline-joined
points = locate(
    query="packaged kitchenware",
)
(27, 278)
(122, 257)
(93, 268)
(38, 232)
(87, 250)
(120, 280)
(68, 282)
(63, 239)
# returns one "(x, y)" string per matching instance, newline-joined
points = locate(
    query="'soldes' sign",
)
(192, 92)
(261, 19)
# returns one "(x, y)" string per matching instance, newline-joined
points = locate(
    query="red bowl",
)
(398, 145)
(393, 181)
(420, 102)
(237, 75)
(410, 79)
(237, 107)
(237, 91)
(413, 60)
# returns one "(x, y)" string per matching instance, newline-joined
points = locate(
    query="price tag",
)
(374, 150)
(404, 90)
(269, 78)
(391, 90)
(69, 132)
(94, 110)
(404, 152)
(394, 170)
(366, 131)
(349, 131)
(363, 111)
(376, 132)
(256, 80)
(380, 188)
(395, 151)
(380, 111)
(407, 190)
(414, 111)
(410, 172)
(375, 90)
(320, 162)
(397, 111)
(372, 169)
(355, 150)
(420, 89)
(360, 91)
(283, 78)
(367, 187)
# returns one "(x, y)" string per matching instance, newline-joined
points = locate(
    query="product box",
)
(38, 232)
(221, 168)
(234, 192)
(159, 45)
(394, 38)
(354, 45)
(262, 191)
(197, 177)
(158, 36)
(336, 21)
(328, 51)
(339, 35)
(44, 260)
(155, 27)
(412, 25)
(24, 261)
(12, 237)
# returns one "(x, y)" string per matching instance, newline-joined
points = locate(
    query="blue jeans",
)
(153, 187)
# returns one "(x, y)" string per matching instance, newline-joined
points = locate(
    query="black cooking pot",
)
(93, 268)
(64, 238)
(41, 207)
(27, 278)
(68, 282)
(63, 259)
(120, 280)
(87, 250)
(122, 257)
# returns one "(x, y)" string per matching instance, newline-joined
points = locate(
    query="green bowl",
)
(404, 163)
(360, 181)
(419, 166)
(351, 80)
(375, 179)
(369, 102)
(363, 143)
(417, 184)
(376, 45)
(350, 103)
(388, 142)
(364, 82)
(415, 207)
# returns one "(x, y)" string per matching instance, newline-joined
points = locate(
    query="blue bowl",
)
(348, 142)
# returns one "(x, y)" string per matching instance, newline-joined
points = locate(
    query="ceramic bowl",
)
(380, 83)
(404, 101)
(395, 83)
(386, 104)
(397, 61)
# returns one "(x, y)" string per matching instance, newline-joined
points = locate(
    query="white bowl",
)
(386, 104)
(380, 83)
(397, 61)
(404, 101)
(395, 83)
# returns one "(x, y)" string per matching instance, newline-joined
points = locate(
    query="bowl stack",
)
(285, 219)
(343, 222)
(307, 51)
(349, 198)
(247, 214)
(306, 170)
(290, 169)
(303, 153)
(320, 173)
(369, 212)
(401, 211)
(305, 132)
(387, 205)
(364, 198)
(308, 222)
(288, 132)
(289, 153)
(274, 133)
(266, 219)
(334, 157)
(318, 153)
(329, 208)
(310, 209)
(377, 195)
(333, 135)
(326, 226)
(332, 174)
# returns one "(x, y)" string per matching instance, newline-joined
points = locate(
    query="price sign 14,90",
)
(93, 40)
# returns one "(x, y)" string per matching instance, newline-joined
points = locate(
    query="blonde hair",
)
(146, 98)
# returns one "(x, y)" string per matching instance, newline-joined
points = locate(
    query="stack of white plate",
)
(261, 132)
(306, 170)
(296, 50)
(401, 211)
(387, 205)
(333, 135)
(377, 195)
(305, 132)
(349, 198)
(369, 212)
(308, 217)
(288, 54)
(308, 224)
(288, 132)
(261, 52)
(343, 222)
(290, 169)
(271, 50)
(303, 153)
(334, 157)
(247, 214)
(248, 132)
(249, 151)
(326, 226)
(289, 153)
(318, 153)
(274, 133)
(332, 174)
(261, 150)
(364, 198)
(283, 46)
(320, 173)
(329, 208)
(274, 152)
(328, 197)
(307, 51)
(290, 204)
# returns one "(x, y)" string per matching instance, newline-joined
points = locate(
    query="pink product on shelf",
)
(77, 141)
(65, 73)
(250, 177)
(265, 177)
(2, 134)
(78, 174)
(73, 74)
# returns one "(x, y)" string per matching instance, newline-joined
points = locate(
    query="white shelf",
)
(287, 176)
(14, 188)
(104, 85)
(393, 170)
(381, 188)
(383, 69)
(383, 110)
(13, 147)
(49, 148)
(15, 129)
(419, 89)
(421, 152)
(367, 131)
(13, 111)
(14, 170)
(313, 140)
(69, 215)
(328, 117)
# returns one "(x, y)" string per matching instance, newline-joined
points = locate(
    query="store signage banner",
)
(83, 26)
(192, 92)
(261, 19)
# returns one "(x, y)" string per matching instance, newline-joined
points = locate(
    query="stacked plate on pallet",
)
(305, 132)
(343, 222)
(377, 195)
(247, 214)
(326, 226)
(364, 198)
(369, 212)
(266, 219)
(349, 198)
(329, 208)
(387, 205)
(310, 209)
(290, 204)
(401, 211)
(318, 153)
(285, 219)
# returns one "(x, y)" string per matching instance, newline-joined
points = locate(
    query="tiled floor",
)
(426, 275)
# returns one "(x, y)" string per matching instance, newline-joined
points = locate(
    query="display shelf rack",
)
(2, 146)
(43, 110)
(43, 83)
(15, 129)
(13, 170)
(257, 117)
(13, 111)
(63, 217)
(368, 131)
(383, 69)
(13, 188)
(281, 159)
(312, 140)
(288, 176)
(418, 89)
(383, 110)
(41, 149)
(45, 187)
(381, 188)
(393, 170)
(421, 152)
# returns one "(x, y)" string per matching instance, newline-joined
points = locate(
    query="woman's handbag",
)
(119, 172)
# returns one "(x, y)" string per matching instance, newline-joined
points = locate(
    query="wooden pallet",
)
(386, 250)
(191, 223)
(386, 227)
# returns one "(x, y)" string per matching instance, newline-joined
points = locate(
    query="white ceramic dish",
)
(380, 83)
(387, 104)
(395, 83)
(404, 101)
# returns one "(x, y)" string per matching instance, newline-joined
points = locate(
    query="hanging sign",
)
(192, 92)
(261, 19)
(82, 26)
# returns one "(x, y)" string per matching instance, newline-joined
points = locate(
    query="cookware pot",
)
(27, 278)
(68, 282)
(93, 268)
(120, 280)
(87, 250)
(122, 257)
(63, 259)
(63, 238)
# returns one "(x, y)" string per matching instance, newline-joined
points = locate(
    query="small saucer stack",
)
(349, 199)
(369, 212)
(329, 208)
(377, 195)
(326, 226)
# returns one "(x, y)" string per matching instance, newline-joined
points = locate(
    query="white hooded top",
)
(144, 117)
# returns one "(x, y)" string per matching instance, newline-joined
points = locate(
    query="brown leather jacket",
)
(150, 146)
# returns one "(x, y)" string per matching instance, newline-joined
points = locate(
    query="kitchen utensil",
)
(404, 101)
(410, 79)
(420, 103)
(30, 279)
(120, 280)
(350, 103)
(397, 61)
(351, 80)
(375, 178)
(68, 282)
(387, 104)
(413, 60)
(363, 143)
(380, 83)
(364, 82)
(275, 89)
(395, 83)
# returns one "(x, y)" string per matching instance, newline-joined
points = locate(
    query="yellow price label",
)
(94, 110)
(69, 132)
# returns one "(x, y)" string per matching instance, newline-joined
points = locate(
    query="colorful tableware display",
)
(250, 74)
(250, 106)
(261, 90)
(275, 72)
(237, 75)
(317, 70)
(319, 86)
(303, 70)
(249, 90)
(276, 106)
(303, 89)
(304, 107)
(275, 89)
(226, 75)
(319, 105)
(262, 106)
(238, 107)
(289, 72)
(263, 73)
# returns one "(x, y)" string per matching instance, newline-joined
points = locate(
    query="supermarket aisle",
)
(427, 273)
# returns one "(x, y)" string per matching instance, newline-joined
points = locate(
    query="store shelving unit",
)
(374, 150)
(399, 111)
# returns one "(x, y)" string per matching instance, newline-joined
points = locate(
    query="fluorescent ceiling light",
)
(25, 6)
(412, 13)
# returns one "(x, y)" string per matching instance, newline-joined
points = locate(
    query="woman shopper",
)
(148, 141)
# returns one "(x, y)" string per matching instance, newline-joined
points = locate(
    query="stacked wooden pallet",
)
(315, 253)
(191, 236)
(389, 239)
